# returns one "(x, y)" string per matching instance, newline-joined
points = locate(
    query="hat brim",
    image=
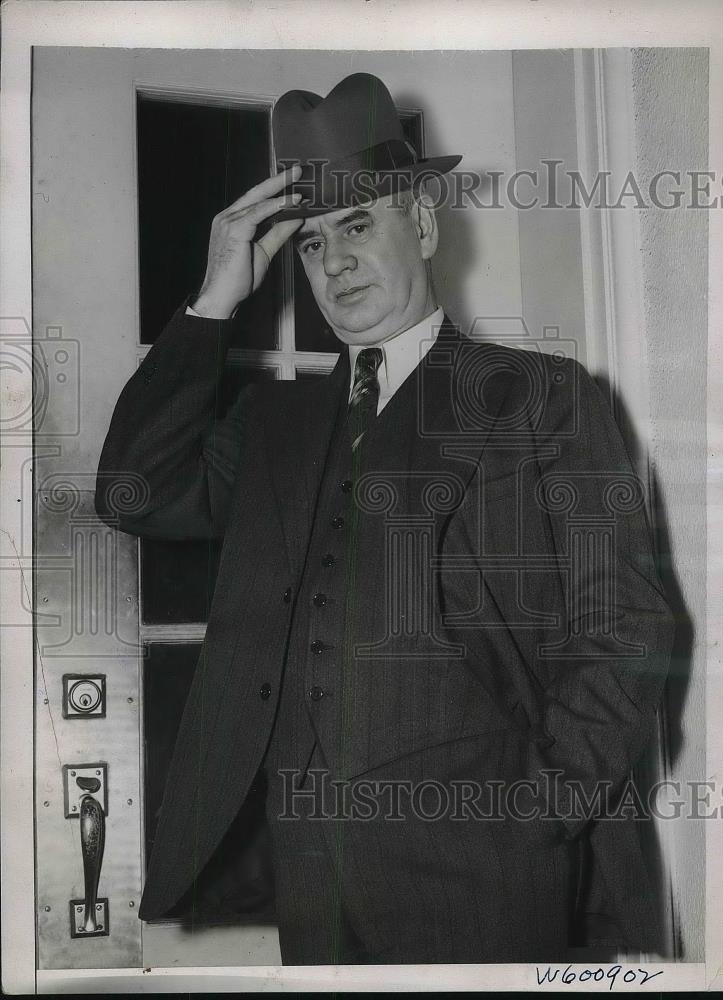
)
(432, 167)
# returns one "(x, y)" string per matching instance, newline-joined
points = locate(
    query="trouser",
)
(453, 890)
(314, 926)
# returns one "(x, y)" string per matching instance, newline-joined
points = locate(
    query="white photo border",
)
(328, 24)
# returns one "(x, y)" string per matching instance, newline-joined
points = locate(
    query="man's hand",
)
(236, 263)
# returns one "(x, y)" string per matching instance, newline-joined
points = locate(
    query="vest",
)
(318, 617)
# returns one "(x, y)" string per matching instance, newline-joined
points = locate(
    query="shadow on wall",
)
(679, 675)
(667, 743)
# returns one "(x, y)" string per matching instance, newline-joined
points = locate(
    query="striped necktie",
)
(365, 393)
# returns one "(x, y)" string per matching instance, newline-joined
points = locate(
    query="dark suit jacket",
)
(526, 458)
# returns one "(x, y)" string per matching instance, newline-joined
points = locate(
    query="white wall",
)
(550, 250)
(670, 102)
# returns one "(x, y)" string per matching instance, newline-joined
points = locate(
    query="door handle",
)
(89, 916)
(92, 844)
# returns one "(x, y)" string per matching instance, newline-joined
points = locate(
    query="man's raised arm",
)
(167, 466)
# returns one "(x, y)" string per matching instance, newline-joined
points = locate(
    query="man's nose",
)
(337, 259)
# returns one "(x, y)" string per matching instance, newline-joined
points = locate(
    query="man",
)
(436, 586)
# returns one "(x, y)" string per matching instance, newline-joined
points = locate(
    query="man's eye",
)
(358, 229)
(312, 247)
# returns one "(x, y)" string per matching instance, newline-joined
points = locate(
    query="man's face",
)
(367, 269)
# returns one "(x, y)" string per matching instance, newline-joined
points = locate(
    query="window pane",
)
(237, 883)
(412, 128)
(312, 333)
(193, 161)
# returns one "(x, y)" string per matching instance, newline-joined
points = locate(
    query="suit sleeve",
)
(168, 464)
(603, 673)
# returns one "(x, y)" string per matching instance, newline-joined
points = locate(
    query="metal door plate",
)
(72, 791)
(77, 911)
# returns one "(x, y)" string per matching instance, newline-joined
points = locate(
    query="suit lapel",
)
(433, 431)
(463, 388)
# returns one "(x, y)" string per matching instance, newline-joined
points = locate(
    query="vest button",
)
(316, 693)
(346, 486)
(320, 600)
(265, 692)
(328, 560)
(317, 646)
(337, 522)
(287, 595)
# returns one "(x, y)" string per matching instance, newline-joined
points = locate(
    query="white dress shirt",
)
(400, 354)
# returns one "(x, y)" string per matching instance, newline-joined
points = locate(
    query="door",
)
(132, 158)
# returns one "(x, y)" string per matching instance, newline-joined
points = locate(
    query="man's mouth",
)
(353, 294)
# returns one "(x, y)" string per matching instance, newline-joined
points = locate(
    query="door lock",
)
(83, 696)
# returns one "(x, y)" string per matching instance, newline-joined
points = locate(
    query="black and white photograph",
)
(360, 444)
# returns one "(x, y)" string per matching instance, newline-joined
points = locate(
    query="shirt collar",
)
(402, 352)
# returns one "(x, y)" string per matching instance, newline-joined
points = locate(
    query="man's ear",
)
(425, 222)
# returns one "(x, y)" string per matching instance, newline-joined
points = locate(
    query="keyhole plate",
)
(83, 696)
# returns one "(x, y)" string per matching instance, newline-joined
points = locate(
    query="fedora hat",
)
(350, 146)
